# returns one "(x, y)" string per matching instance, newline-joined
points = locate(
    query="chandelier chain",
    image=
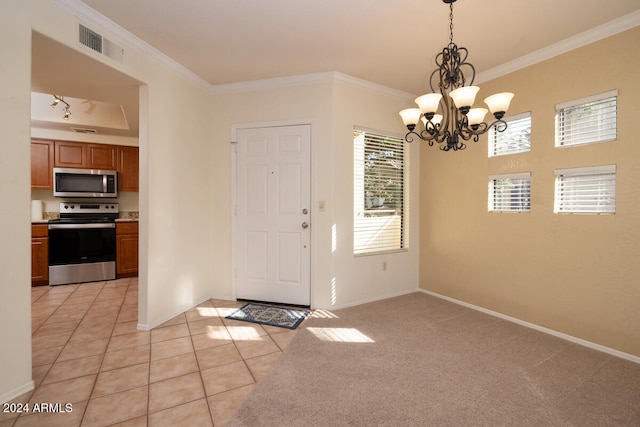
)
(450, 24)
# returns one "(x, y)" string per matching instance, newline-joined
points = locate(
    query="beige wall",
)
(15, 254)
(332, 104)
(575, 274)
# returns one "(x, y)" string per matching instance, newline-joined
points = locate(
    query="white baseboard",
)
(148, 327)
(10, 395)
(368, 300)
(567, 337)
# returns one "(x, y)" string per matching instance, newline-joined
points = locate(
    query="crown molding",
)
(374, 87)
(308, 79)
(89, 15)
(274, 83)
(595, 34)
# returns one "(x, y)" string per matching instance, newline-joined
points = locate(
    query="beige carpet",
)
(417, 360)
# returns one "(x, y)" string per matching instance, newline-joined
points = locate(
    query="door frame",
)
(234, 188)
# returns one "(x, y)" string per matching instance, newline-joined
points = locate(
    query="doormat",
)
(280, 317)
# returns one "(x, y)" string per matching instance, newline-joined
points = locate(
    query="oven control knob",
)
(66, 207)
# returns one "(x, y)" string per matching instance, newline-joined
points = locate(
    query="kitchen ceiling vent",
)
(96, 42)
(84, 130)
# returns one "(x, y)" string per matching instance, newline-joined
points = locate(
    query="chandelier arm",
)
(474, 131)
(471, 67)
(431, 79)
(428, 137)
(409, 136)
(499, 124)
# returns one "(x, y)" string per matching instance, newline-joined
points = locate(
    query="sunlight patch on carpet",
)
(340, 335)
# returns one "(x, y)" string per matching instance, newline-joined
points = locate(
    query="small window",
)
(515, 139)
(510, 193)
(587, 120)
(380, 222)
(586, 190)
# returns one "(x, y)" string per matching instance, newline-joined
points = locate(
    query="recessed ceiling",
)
(83, 114)
(57, 69)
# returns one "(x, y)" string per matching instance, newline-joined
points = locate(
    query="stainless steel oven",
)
(82, 243)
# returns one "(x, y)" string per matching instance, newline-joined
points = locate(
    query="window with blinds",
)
(587, 120)
(515, 139)
(586, 190)
(380, 222)
(510, 193)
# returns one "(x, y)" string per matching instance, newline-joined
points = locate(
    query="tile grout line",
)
(204, 389)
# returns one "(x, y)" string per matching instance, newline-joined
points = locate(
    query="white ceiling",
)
(390, 42)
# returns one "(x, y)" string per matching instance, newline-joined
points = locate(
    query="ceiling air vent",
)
(84, 130)
(96, 42)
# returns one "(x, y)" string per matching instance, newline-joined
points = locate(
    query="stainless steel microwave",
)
(84, 183)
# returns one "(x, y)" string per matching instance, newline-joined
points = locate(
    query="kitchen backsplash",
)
(127, 201)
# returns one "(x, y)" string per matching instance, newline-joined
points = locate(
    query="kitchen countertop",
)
(131, 216)
(46, 221)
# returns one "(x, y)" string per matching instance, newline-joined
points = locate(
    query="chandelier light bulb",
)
(410, 116)
(499, 103)
(476, 115)
(464, 96)
(429, 103)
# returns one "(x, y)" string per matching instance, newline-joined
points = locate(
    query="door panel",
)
(273, 201)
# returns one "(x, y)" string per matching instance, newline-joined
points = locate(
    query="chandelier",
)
(446, 114)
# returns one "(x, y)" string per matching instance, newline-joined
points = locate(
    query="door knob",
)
(305, 225)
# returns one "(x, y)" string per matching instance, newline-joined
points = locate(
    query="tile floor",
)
(193, 370)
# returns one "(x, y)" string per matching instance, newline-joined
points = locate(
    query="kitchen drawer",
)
(39, 230)
(128, 227)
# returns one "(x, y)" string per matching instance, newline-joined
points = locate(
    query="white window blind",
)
(510, 193)
(515, 139)
(586, 190)
(380, 221)
(587, 120)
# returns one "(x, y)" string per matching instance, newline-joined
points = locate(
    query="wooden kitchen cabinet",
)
(128, 168)
(39, 255)
(126, 249)
(102, 156)
(70, 154)
(41, 165)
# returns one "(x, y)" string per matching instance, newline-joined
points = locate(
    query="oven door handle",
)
(81, 226)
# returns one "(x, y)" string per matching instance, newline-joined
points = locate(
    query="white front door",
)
(273, 252)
